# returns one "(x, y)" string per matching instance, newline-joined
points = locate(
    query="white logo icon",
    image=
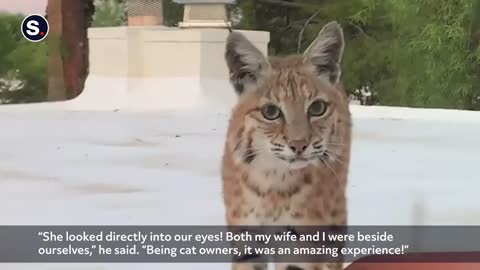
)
(33, 28)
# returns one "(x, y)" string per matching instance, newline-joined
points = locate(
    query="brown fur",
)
(261, 189)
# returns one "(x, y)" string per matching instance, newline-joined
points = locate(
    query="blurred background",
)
(416, 53)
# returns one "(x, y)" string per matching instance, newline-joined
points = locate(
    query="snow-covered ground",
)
(96, 168)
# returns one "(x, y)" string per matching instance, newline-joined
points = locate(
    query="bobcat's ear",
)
(325, 52)
(246, 64)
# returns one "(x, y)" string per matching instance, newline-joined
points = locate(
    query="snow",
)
(61, 167)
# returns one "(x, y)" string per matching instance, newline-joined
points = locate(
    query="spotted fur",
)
(291, 170)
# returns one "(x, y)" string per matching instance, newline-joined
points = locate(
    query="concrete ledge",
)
(117, 48)
(108, 33)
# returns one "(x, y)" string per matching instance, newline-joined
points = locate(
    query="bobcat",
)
(287, 150)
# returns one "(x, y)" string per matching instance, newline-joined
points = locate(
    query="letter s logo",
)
(35, 28)
(32, 27)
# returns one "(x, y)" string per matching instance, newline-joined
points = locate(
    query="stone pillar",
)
(160, 69)
(145, 12)
(204, 14)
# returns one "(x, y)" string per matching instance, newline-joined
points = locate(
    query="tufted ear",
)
(247, 64)
(325, 52)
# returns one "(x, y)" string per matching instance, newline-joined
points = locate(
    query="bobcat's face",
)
(290, 113)
(292, 120)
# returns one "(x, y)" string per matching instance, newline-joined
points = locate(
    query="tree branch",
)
(360, 30)
(300, 36)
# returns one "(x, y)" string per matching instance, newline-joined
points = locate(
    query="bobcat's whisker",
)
(334, 144)
(335, 157)
(329, 167)
(250, 152)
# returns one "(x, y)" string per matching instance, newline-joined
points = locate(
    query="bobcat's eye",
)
(271, 112)
(317, 108)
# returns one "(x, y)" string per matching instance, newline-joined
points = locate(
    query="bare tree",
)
(68, 47)
(56, 86)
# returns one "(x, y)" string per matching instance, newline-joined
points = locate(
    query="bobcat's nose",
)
(298, 146)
